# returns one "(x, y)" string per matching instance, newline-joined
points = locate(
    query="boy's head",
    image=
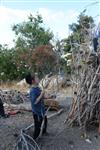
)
(29, 79)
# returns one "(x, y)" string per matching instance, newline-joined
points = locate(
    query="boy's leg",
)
(37, 125)
(45, 125)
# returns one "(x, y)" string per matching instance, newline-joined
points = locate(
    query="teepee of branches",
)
(85, 108)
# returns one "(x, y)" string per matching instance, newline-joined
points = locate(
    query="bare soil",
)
(60, 137)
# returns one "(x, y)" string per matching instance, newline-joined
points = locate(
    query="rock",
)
(63, 100)
(88, 140)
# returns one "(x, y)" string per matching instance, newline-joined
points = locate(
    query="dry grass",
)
(13, 86)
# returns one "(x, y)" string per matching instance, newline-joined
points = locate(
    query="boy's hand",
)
(39, 98)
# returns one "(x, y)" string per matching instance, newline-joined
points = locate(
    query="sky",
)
(56, 14)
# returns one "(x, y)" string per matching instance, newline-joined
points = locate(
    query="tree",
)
(81, 29)
(31, 33)
(79, 35)
(42, 60)
(45, 59)
(80, 32)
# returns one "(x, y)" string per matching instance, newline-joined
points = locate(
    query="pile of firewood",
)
(12, 96)
(85, 109)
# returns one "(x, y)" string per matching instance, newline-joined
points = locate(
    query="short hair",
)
(29, 78)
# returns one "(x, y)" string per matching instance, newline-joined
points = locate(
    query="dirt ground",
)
(60, 137)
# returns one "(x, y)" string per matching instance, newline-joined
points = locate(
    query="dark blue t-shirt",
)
(38, 108)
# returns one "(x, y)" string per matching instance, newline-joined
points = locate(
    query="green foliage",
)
(33, 51)
(79, 33)
(80, 29)
(7, 68)
(66, 45)
(64, 66)
(78, 36)
(15, 64)
(31, 33)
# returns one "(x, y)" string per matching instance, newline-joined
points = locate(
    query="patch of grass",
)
(13, 86)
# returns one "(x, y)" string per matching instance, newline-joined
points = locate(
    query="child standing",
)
(37, 104)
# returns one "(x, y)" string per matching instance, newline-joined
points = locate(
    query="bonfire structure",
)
(85, 108)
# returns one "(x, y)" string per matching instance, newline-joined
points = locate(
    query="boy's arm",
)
(39, 98)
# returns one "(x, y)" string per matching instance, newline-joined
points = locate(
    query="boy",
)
(37, 103)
